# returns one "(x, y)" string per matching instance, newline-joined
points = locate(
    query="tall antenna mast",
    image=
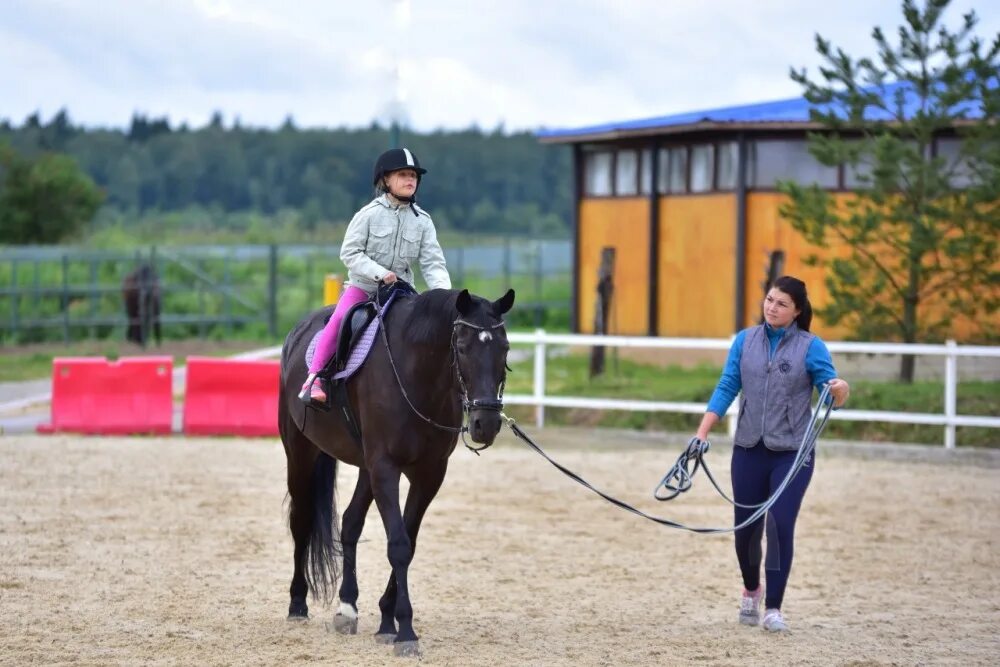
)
(401, 11)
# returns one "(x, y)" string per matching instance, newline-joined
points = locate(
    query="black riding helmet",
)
(395, 159)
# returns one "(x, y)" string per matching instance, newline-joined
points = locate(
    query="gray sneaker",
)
(774, 621)
(750, 606)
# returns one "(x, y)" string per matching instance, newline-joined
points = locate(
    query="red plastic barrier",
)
(95, 396)
(231, 397)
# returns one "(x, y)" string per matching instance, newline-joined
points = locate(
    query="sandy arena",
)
(174, 551)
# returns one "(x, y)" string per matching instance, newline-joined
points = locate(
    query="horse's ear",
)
(504, 303)
(464, 302)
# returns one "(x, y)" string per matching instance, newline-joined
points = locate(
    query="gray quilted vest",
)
(776, 399)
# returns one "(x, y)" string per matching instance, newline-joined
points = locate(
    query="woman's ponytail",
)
(806, 316)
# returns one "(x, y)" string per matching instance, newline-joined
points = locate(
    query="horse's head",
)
(480, 344)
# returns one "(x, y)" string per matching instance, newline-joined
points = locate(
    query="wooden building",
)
(687, 204)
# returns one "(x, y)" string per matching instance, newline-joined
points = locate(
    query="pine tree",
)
(917, 131)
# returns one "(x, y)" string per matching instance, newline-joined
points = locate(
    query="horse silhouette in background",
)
(141, 294)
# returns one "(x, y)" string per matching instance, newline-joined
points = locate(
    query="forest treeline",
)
(477, 181)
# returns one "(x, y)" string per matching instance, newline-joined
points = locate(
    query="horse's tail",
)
(324, 553)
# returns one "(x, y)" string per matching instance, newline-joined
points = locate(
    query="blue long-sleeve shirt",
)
(819, 365)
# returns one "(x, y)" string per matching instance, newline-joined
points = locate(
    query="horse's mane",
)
(431, 317)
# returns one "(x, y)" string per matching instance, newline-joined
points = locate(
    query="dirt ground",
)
(164, 551)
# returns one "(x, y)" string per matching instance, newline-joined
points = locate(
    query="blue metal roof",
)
(794, 110)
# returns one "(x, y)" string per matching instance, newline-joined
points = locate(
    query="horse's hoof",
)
(410, 649)
(385, 638)
(298, 610)
(345, 625)
(298, 618)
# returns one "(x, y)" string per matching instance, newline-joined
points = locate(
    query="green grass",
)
(569, 376)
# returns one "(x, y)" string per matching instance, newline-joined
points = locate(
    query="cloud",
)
(523, 63)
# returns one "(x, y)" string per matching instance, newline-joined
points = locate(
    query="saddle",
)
(357, 323)
(351, 328)
(355, 339)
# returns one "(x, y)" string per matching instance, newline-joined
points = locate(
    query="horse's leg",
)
(157, 333)
(301, 455)
(384, 480)
(346, 619)
(395, 601)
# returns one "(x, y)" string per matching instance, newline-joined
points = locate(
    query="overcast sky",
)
(332, 63)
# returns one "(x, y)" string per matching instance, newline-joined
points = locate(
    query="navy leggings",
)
(756, 473)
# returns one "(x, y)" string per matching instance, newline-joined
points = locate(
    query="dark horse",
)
(141, 294)
(444, 356)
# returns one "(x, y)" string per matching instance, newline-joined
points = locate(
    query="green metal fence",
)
(67, 294)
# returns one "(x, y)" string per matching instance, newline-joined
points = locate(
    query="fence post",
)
(950, 394)
(310, 288)
(15, 298)
(141, 291)
(65, 296)
(90, 297)
(149, 319)
(202, 308)
(539, 271)
(539, 379)
(227, 287)
(272, 292)
(506, 263)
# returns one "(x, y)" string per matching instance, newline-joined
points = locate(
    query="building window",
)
(646, 172)
(597, 174)
(728, 161)
(677, 170)
(960, 176)
(775, 160)
(862, 175)
(663, 171)
(627, 173)
(702, 167)
(859, 176)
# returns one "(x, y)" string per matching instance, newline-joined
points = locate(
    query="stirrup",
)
(305, 395)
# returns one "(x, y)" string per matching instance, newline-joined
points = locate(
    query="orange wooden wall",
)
(767, 232)
(696, 280)
(697, 265)
(621, 223)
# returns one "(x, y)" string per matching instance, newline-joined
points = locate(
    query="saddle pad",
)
(360, 351)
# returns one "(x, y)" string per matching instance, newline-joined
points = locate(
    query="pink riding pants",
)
(327, 342)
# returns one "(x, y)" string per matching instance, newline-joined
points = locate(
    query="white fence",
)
(947, 418)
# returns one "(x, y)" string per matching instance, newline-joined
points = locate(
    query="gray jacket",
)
(383, 237)
(777, 391)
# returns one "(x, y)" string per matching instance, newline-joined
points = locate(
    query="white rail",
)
(948, 418)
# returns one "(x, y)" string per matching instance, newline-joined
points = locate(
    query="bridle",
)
(496, 404)
(491, 404)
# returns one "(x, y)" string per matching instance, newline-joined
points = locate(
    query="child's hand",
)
(389, 278)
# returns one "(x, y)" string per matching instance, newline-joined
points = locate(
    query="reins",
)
(683, 476)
